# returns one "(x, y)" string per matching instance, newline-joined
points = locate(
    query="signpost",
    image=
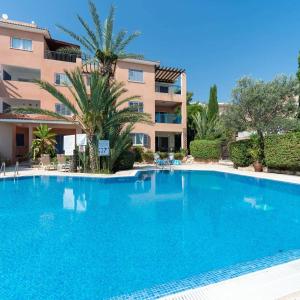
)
(103, 148)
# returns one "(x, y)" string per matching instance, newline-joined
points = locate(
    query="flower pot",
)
(258, 167)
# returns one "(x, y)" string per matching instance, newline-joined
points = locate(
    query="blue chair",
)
(158, 161)
(173, 161)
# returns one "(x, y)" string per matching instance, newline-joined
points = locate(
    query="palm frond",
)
(118, 40)
(77, 37)
(58, 95)
(79, 86)
(123, 44)
(96, 20)
(108, 29)
(89, 31)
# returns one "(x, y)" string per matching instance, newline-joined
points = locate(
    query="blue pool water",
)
(75, 238)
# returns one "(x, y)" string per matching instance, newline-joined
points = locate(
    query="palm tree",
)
(206, 128)
(97, 110)
(101, 44)
(44, 142)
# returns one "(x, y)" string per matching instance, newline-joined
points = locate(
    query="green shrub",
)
(239, 153)
(206, 149)
(126, 161)
(163, 155)
(282, 151)
(138, 153)
(179, 155)
(148, 156)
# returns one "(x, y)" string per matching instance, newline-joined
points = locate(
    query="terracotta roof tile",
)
(33, 117)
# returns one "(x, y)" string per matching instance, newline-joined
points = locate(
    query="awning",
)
(166, 74)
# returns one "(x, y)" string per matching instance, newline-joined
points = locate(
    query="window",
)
(21, 44)
(135, 75)
(62, 79)
(20, 140)
(62, 110)
(139, 139)
(136, 106)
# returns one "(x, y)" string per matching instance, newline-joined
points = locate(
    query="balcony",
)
(56, 55)
(161, 117)
(167, 88)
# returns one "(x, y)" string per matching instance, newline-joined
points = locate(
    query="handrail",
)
(16, 169)
(167, 88)
(56, 55)
(162, 117)
(2, 169)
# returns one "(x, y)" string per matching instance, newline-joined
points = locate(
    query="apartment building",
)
(28, 52)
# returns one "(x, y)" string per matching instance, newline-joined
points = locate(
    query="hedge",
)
(239, 153)
(282, 151)
(206, 149)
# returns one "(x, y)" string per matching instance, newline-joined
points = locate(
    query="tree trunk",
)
(261, 144)
(92, 153)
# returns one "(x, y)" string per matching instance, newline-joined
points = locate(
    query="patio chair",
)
(45, 162)
(158, 161)
(172, 160)
(62, 164)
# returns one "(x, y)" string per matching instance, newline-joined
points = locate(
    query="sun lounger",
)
(45, 162)
(62, 164)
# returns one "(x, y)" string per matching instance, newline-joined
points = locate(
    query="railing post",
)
(2, 168)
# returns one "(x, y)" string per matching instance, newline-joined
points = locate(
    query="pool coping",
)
(134, 173)
(242, 285)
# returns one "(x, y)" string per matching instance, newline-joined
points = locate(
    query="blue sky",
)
(216, 41)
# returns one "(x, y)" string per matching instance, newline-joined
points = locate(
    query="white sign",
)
(81, 139)
(69, 144)
(103, 148)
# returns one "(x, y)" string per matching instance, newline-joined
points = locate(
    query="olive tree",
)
(263, 107)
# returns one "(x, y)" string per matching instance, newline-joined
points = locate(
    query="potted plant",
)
(255, 154)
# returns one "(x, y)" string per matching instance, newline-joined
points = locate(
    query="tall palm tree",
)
(103, 46)
(96, 109)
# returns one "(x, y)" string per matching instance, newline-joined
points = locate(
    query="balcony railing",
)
(55, 55)
(168, 89)
(161, 117)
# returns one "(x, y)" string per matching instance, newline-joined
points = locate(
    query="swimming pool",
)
(147, 236)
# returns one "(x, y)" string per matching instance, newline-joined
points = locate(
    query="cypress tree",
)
(213, 106)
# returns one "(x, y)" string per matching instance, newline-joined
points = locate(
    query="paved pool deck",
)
(281, 282)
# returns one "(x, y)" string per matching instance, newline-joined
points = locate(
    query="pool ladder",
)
(2, 169)
(16, 172)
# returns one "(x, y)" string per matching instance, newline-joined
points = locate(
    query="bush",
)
(138, 154)
(163, 155)
(282, 151)
(126, 161)
(206, 149)
(179, 155)
(148, 156)
(239, 153)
